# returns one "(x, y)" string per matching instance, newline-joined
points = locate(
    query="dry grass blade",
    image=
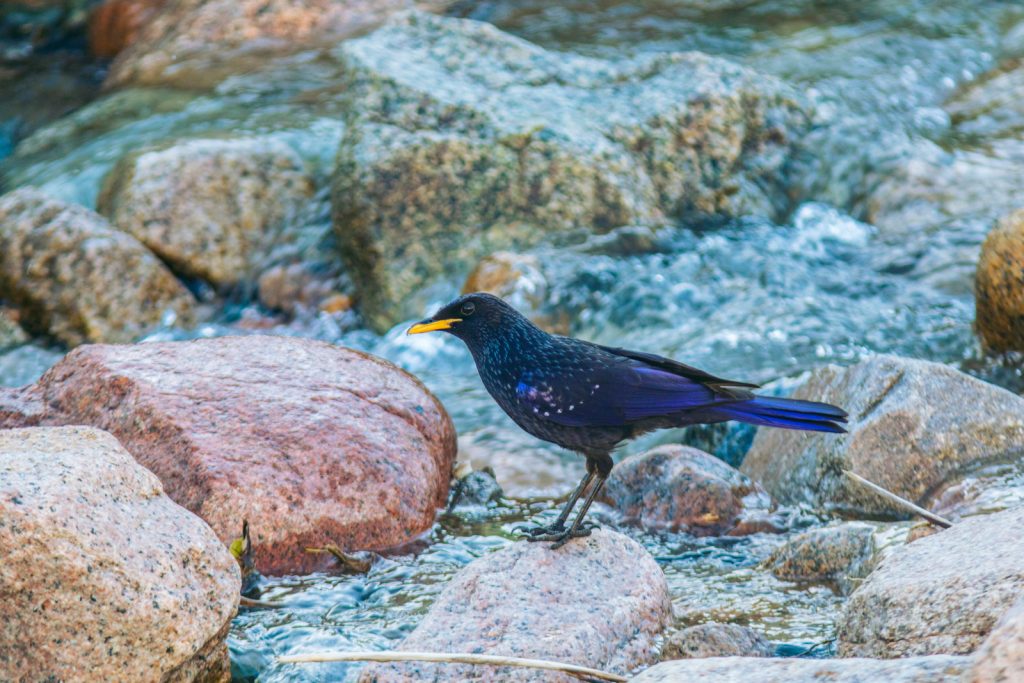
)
(903, 502)
(250, 602)
(581, 672)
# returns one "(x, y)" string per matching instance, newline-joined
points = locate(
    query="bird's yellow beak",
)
(433, 325)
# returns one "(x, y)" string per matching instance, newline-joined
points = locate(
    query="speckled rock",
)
(74, 277)
(913, 425)
(1000, 659)
(716, 640)
(295, 288)
(999, 286)
(678, 488)
(208, 207)
(836, 553)
(475, 141)
(104, 577)
(936, 669)
(196, 43)
(311, 443)
(598, 601)
(940, 594)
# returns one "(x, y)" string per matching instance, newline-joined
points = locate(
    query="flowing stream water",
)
(751, 300)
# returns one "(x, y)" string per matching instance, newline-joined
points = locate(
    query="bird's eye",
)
(467, 308)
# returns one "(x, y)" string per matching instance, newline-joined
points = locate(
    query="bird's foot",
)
(559, 536)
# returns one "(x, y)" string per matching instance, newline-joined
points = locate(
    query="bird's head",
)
(473, 318)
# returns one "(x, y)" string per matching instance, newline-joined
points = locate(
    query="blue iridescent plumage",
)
(589, 398)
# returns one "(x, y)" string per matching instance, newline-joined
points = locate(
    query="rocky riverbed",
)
(212, 241)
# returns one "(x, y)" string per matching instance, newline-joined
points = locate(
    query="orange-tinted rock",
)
(599, 601)
(999, 286)
(103, 577)
(116, 24)
(194, 42)
(313, 444)
(678, 488)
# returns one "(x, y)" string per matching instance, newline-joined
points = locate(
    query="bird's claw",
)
(560, 536)
(531, 532)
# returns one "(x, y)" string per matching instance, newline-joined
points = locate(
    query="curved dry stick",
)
(455, 658)
(889, 495)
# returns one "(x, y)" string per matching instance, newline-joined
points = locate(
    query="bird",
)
(590, 398)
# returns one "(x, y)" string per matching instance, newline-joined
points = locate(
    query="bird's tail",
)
(787, 413)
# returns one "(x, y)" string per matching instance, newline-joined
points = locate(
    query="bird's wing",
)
(619, 394)
(676, 368)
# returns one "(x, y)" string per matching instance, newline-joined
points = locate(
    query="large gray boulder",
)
(599, 601)
(462, 140)
(914, 425)
(940, 594)
(76, 278)
(937, 669)
(104, 578)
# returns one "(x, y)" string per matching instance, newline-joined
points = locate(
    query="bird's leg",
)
(559, 524)
(579, 528)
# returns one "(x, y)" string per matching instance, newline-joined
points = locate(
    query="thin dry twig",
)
(889, 495)
(348, 561)
(581, 672)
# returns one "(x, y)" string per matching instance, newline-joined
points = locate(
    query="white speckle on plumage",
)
(547, 414)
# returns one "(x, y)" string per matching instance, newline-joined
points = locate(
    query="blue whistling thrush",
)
(589, 398)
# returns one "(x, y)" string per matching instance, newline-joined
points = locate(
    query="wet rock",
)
(716, 640)
(999, 286)
(313, 444)
(837, 553)
(940, 594)
(74, 277)
(599, 601)
(116, 24)
(678, 488)
(208, 207)
(936, 669)
(11, 333)
(474, 487)
(104, 576)
(913, 425)
(476, 141)
(1000, 659)
(199, 42)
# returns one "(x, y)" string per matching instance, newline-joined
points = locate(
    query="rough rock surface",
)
(913, 425)
(716, 640)
(311, 443)
(678, 488)
(999, 286)
(836, 553)
(101, 572)
(208, 207)
(199, 42)
(74, 277)
(598, 601)
(1000, 659)
(936, 669)
(477, 141)
(940, 594)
